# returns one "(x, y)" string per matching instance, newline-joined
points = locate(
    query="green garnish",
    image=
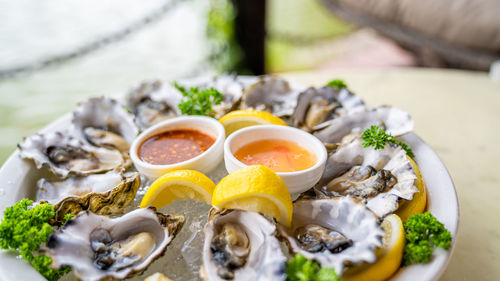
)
(24, 229)
(67, 217)
(301, 269)
(423, 233)
(198, 102)
(377, 137)
(337, 84)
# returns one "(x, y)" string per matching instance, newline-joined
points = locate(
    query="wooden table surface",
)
(455, 112)
(458, 114)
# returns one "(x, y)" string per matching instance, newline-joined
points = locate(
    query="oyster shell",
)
(381, 177)
(153, 102)
(103, 122)
(102, 248)
(334, 232)
(103, 194)
(241, 245)
(391, 119)
(270, 94)
(317, 106)
(65, 155)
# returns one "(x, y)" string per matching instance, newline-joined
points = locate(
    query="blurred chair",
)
(449, 33)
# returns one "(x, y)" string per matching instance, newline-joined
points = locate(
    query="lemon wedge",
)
(388, 257)
(157, 277)
(255, 188)
(418, 203)
(239, 119)
(180, 184)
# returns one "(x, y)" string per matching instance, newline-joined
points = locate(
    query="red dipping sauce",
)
(174, 146)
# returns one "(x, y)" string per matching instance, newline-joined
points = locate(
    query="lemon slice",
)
(157, 277)
(239, 119)
(255, 188)
(418, 203)
(388, 257)
(180, 184)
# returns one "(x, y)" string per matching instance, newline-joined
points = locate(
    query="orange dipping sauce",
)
(174, 146)
(278, 155)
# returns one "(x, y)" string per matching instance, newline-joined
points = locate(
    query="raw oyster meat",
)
(241, 245)
(102, 248)
(270, 94)
(103, 194)
(153, 102)
(65, 155)
(317, 106)
(362, 181)
(381, 177)
(393, 120)
(334, 232)
(103, 122)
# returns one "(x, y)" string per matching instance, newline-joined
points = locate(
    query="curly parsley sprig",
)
(423, 233)
(198, 102)
(299, 268)
(337, 84)
(377, 137)
(24, 229)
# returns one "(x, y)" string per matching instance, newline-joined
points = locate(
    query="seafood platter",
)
(227, 178)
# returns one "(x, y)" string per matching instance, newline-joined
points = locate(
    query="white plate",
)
(18, 180)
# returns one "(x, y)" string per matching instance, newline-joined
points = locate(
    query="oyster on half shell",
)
(103, 194)
(153, 102)
(316, 106)
(393, 120)
(65, 155)
(241, 245)
(334, 232)
(381, 177)
(270, 94)
(103, 122)
(102, 248)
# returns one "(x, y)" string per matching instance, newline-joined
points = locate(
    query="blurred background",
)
(56, 53)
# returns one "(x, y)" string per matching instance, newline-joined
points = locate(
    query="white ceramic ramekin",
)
(205, 162)
(296, 182)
